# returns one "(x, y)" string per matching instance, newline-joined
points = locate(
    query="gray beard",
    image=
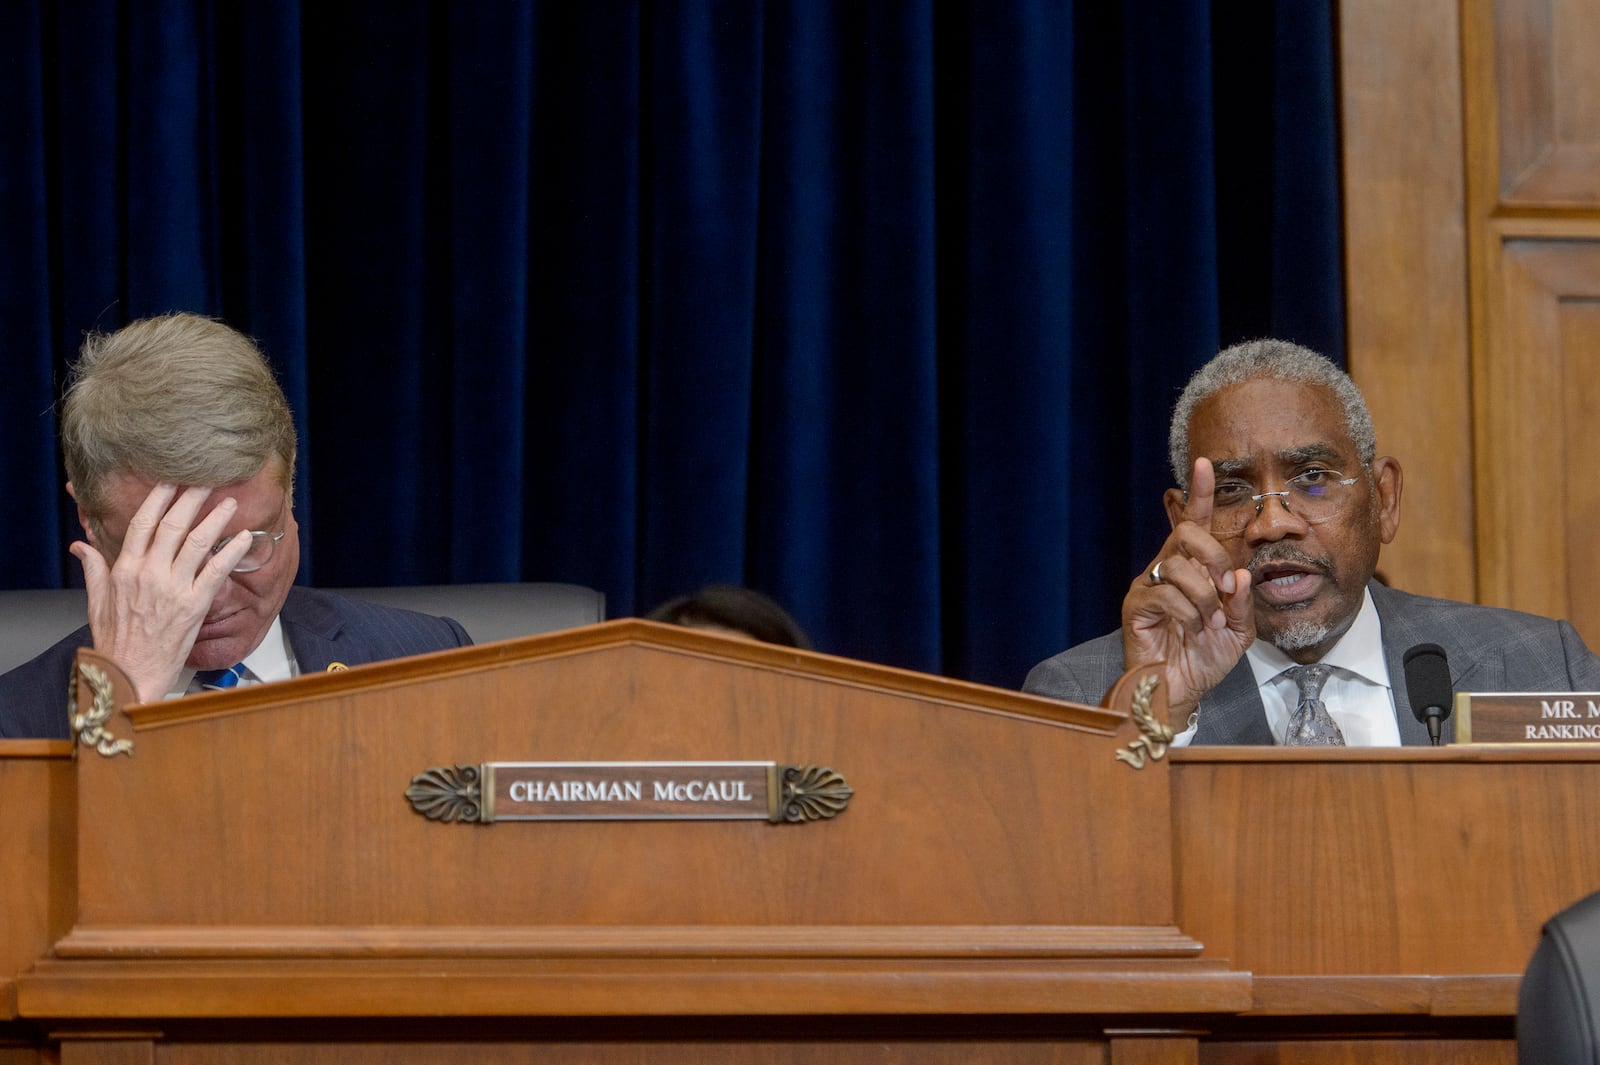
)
(1299, 635)
(1295, 635)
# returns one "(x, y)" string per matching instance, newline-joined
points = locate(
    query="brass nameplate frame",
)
(1528, 717)
(629, 791)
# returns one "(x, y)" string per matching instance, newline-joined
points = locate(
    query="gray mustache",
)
(1286, 552)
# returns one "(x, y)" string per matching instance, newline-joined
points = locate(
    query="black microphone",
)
(1428, 686)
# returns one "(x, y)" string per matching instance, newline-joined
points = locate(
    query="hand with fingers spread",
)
(1190, 607)
(147, 603)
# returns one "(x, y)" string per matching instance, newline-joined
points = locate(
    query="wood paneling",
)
(1472, 157)
(1533, 166)
(821, 1052)
(109, 1049)
(971, 872)
(1546, 78)
(1541, 361)
(1374, 863)
(1366, 1052)
(1406, 300)
(931, 777)
(37, 842)
(252, 885)
(23, 1055)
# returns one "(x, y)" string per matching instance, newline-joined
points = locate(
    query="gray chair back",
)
(491, 612)
(33, 619)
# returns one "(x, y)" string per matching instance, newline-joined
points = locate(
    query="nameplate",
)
(1528, 717)
(629, 791)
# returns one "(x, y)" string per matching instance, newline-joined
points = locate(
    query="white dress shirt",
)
(1358, 693)
(273, 659)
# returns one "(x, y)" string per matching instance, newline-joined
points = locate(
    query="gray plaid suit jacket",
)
(1490, 650)
(322, 627)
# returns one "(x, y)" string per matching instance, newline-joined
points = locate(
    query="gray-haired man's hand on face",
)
(145, 609)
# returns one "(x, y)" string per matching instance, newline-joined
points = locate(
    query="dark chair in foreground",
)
(1558, 1008)
(32, 620)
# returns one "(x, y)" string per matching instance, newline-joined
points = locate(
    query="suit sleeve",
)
(1055, 678)
(1583, 667)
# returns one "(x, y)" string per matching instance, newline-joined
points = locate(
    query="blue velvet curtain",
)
(877, 307)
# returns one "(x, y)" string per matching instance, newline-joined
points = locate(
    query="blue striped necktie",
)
(216, 680)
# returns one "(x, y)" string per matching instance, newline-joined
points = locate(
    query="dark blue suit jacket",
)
(322, 627)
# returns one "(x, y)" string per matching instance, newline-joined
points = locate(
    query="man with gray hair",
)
(1262, 602)
(180, 450)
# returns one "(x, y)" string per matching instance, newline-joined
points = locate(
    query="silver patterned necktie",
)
(1310, 725)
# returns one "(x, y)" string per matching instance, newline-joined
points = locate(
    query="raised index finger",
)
(1207, 549)
(1202, 486)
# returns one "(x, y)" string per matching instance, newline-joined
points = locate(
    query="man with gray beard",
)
(1281, 508)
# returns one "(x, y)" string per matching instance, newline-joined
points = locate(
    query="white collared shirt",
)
(1358, 693)
(273, 659)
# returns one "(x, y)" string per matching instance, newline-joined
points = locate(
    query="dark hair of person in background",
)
(734, 609)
